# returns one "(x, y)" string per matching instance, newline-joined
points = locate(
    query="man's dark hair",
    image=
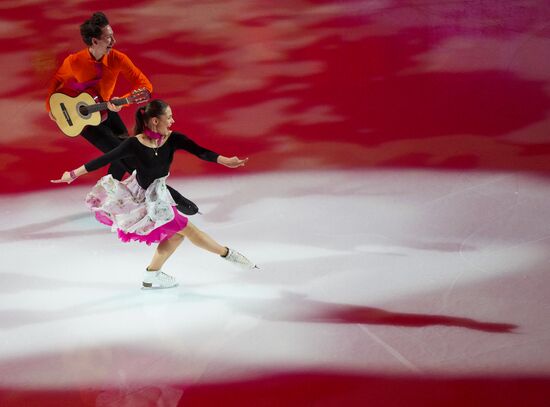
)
(92, 27)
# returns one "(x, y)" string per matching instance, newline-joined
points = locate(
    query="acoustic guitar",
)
(73, 113)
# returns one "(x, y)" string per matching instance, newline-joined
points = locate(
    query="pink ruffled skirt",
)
(143, 215)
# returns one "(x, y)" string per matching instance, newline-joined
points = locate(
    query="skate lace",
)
(162, 276)
(237, 257)
(241, 260)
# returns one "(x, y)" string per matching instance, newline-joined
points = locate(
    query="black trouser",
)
(108, 135)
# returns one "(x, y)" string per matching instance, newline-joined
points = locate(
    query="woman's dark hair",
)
(155, 108)
(92, 27)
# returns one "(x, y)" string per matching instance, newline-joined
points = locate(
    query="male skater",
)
(98, 67)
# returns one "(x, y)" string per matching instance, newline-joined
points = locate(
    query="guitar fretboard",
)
(103, 105)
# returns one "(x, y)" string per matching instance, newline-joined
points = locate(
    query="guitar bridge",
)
(66, 114)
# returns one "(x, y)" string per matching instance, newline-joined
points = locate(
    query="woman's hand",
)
(65, 178)
(232, 162)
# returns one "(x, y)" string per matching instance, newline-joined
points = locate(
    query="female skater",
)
(140, 207)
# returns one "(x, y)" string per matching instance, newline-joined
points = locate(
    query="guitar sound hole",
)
(83, 110)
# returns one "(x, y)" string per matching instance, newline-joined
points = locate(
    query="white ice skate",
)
(158, 279)
(239, 260)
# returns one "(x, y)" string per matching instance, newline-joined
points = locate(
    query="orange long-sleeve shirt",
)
(82, 67)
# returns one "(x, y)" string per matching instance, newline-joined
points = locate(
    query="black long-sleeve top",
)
(150, 166)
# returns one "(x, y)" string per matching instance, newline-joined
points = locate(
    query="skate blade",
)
(144, 287)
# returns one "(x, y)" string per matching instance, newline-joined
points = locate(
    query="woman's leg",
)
(202, 240)
(154, 278)
(164, 251)
(196, 236)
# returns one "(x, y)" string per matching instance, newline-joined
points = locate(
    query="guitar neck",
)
(103, 105)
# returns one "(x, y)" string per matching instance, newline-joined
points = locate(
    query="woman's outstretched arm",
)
(122, 151)
(232, 162)
(70, 176)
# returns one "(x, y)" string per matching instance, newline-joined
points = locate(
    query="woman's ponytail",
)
(140, 121)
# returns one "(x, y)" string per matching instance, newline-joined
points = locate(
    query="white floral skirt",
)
(145, 215)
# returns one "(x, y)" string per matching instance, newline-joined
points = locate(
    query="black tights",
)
(107, 136)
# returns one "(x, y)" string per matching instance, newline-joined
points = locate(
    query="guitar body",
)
(69, 110)
(73, 111)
